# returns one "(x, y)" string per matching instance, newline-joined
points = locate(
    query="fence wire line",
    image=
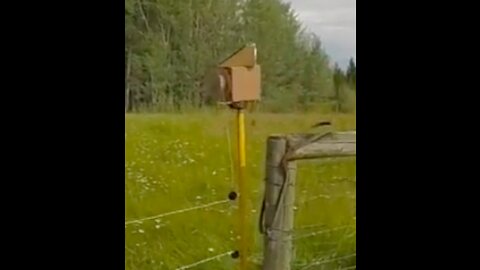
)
(320, 262)
(310, 226)
(325, 196)
(322, 232)
(177, 212)
(349, 268)
(204, 261)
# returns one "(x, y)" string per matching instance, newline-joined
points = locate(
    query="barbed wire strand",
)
(177, 212)
(320, 262)
(322, 232)
(204, 261)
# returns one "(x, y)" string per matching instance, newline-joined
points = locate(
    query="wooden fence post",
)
(278, 219)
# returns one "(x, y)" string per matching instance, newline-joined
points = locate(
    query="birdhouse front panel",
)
(246, 83)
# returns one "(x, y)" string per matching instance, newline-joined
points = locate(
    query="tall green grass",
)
(177, 161)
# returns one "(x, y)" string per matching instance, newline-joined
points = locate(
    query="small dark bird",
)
(323, 123)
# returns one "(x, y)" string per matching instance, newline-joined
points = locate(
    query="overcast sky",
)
(334, 21)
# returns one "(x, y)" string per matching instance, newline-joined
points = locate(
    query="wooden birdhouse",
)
(239, 76)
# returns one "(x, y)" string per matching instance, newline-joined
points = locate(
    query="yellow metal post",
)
(243, 190)
(238, 82)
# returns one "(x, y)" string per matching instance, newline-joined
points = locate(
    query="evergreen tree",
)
(351, 74)
(171, 45)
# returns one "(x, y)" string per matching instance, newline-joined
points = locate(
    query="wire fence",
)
(207, 206)
(349, 268)
(206, 260)
(319, 232)
(296, 237)
(198, 207)
(325, 261)
(219, 256)
(310, 226)
(297, 234)
(327, 197)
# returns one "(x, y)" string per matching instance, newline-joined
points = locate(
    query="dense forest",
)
(172, 44)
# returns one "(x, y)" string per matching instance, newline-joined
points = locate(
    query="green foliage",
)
(345, 86)
(351, 74)
(171, 45)
(347, 100)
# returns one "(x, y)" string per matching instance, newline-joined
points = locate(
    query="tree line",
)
(171, 45)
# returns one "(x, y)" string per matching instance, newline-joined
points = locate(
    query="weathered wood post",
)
(279, 199)
(277, 223)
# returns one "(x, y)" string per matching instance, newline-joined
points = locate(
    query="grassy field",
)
(178, 161)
